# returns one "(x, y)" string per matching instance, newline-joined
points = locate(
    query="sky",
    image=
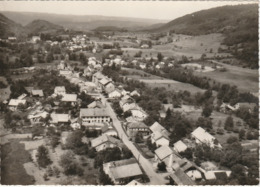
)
(163, 10)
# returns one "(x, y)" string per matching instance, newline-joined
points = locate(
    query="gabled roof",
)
(156, 127)
(56, 118)
(180, 146)
(163, 152)
(103, 139)
(90, 112)
(134, 125)
(16, 102)
(203, 136)
(124, 168)
(37, 92)
(158, 135)
(105, 81)
(96, 104)
(28, 89)
(69, 98)
(181, 178)
(60, 89)
(99, 75)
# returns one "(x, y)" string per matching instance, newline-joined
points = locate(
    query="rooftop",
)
(16, 102)
(90, 112)
(102, 139)
(69, 97)
(163, 152)
(37, 92)
(133, 125)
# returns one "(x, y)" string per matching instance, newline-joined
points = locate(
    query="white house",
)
(160, 139)
(13, 103)
(115, 94)
(138, 113)
(121, 170)
(109, 87)
(135, 93)
(179, 146)
(94, 115)
(59, 90)
(72, 98)
(59, 118)
(104, 141)
(202, 136)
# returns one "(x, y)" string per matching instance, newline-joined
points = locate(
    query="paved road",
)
(155, 179)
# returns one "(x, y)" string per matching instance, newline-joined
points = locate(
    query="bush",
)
(232, 139)
(42, 156)
(161, 166)
(70, 166)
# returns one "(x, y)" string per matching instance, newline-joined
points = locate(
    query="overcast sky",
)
(166, 10)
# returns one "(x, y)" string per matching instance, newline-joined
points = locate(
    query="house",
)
(129, 106)
(22, 96)
(96, 104)
(59, 90)
(195, 175)
(134, 183)
(96, 77)
(134, 93)
(109, 130)
(109, 87)
(124, 92)
(157, 127)
(72, 98)
(94, 115)
(138, 113)
(59, 118)
(217, 174)
(115, 94)
(13, 103)
(159, 138)
(103, 82)
(36, 116)
(179, 146)
(202, 136)
(133, 128)
(122, 170)
(36, 38)
(179, 177)
(104, 141)
(171, 158)
(37, 93)
(65, 73)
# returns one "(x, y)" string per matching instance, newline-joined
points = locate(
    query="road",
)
(155, 179)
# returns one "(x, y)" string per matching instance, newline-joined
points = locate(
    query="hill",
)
(110, 28)
(9, 27)
(238, 23)
(84, 22)
(42, 26)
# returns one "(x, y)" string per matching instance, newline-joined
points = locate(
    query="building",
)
(109, 87)
(13, 103)
(115, 94)
(94, 115)
(97, 77)
(36, 116)
(160, 139)
(135, 93)
(179, 146)
(105, 141)
(133, 128)
(179, 177)
(72, 98)
(37, 93)
(122, 171)
(96, 104)
(157, 127)
(60, 118)
(59, 90)
(138, 113)
(202, 136)
(109, 130)
(36, 38)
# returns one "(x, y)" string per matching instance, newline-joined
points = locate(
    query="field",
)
(155, 81)
(14, 156)
(245, 79)
(190, 46)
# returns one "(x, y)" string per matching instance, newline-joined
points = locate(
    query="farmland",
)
(155, 81)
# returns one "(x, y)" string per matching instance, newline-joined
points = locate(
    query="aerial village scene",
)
(99, 100)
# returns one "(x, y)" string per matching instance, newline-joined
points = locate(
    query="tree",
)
(70, 166)
(42, 156)
(104, 178)
(229, 123)
(49, 57)
(207, 110)
(187, 153)
(232, 139)
(161, 166)
(204, 123)
(159, 56)
(74, 142)
(242, 134)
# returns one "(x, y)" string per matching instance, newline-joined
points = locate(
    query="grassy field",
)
(190, 46)
(245, 79)
(13, 157)
(155, 81)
